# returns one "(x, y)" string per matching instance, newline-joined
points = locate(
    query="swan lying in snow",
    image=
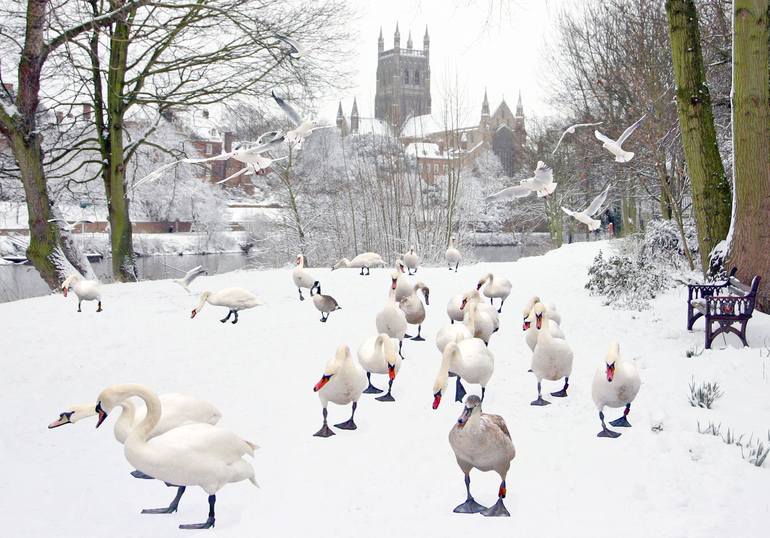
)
(190, 455)
(364, 261)
(481, 441)
(234, 299)
(342, 382)
(616, 384)
(552, 358)
(86, 290)
(377, 355)
(302, 277)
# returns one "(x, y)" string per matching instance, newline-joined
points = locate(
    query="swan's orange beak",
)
(64, 291)
(527, 324)
(102, 414)
(538, 321)
(194, 312)
(610, 372)
(436, 400)
(320, 384)
(391, 372)
(462, 305)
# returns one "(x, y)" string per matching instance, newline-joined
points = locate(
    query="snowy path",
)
(396, 475)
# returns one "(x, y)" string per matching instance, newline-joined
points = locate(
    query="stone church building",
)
(402, 106)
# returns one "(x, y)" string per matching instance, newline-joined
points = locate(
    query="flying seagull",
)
(571, 130)
(542, 183)
(592, 209)
(613, 146)
(191, 275)
(302, 128)
(247, 156)
(69, 226)
(259, 167)
(292, 49)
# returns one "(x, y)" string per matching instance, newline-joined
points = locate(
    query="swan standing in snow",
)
(377, 355)
(479, 322)
(190, 455)
(530, 333)
(364, 261)
(178, 410)
(302, 277)
(495, 287)
(616, 384)
(481, 441)
(189, 276)
(391, 320)
(451, 333)
(414, 310)
(325, 304)
(586, 215)
(614, 146)
(86, 290)
(456, 313)
(342, 382)
(552, 358)
(411, 260)
(471, 360)
(403, 287)
(453, 256)
(233, 298)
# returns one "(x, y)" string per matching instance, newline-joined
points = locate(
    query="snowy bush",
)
(705, 394)
(642, 268)
(754, 451)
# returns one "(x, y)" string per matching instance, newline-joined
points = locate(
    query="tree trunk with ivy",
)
(710, 187)
(749, 249)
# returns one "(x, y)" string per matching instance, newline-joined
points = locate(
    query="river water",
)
(23, 281)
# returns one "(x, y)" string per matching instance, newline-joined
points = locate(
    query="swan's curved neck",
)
(545, 330)
(151, 419)
(126, 420)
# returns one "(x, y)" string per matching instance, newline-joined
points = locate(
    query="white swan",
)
(377, 355)
(234, 299)
(530, 333)
(481, 441)
(403, 287)
(552, 358)
(479, 322)
(453, 256)
(471, 360)
(451, 333)
(391, 320)
(414, 310)
(411, 260)
(495, 287)
(342, 382)
(191, 455)
(364, 261)
(86, 290)
(616, 384)
(302, 277)
(456, 313)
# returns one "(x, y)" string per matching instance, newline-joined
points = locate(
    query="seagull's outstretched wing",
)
(152, 176)
(268, 136)
(569, 211)
(603, 138)
(320, 127)
(571, 130)
(238, 173)
(596, 203)
(628, 132)
(288, 109)
(517, 191)
(559, 142)
(543, 174)
(267, 146)
(191, 275)
(293, 48)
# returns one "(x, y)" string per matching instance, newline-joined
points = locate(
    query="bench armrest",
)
(729, 306)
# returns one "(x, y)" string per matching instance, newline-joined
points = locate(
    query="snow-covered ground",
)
(396, 475)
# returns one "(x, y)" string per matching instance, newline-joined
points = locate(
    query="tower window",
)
(406, 76)
(417, 77)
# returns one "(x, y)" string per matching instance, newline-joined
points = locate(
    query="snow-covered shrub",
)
(644, 266)
(704, 394)
(754, 451)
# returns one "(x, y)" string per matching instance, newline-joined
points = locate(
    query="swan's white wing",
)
(238, 173)
(603, 138)
(596, 203)
(517, 191)
(628, 132)
(543, 174)
(293, 50)
(287, 108)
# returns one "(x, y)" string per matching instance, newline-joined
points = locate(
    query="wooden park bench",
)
(727, 310)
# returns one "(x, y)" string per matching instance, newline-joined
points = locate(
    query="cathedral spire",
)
(397, 38)
(426, 41)
(519, 107)
(409, 41)
(354, 112)
(485, 105)
(354, 117)
(380, 42)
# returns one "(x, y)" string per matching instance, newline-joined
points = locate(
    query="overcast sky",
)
(504, 55)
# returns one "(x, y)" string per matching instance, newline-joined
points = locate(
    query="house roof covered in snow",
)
(426, 150)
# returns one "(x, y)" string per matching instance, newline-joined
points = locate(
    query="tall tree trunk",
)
(710, 188)
(121, 238)
(749, 249)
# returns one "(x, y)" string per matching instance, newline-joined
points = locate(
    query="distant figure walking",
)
(611, 230)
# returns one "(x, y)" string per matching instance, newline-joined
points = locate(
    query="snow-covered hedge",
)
(643, 267)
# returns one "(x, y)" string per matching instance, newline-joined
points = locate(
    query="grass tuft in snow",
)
(705, 394)
(754, 451)
(694, 351)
